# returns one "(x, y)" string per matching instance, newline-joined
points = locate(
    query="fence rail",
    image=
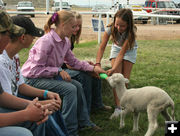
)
(152, 16)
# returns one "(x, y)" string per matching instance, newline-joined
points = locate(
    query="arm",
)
(81, 65)
(12, 102)
(30, 91)
(39, 63)
(12, 118)
(54, 98)
(34, 112)
(119, 58)
(102, 47)
(71, 60)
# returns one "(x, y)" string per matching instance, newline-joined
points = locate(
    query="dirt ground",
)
(145, 31)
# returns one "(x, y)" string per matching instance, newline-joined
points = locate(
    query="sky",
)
(107, 2)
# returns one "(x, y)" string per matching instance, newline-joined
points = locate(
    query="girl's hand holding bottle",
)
(99, 70)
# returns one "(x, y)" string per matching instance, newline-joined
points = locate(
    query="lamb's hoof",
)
(116, 113)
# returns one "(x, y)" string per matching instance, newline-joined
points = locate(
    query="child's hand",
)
(46, 114)
(55, 96)
(54, 104)
(98, 70)
(65, 76)
(34, 111)
(110, 72)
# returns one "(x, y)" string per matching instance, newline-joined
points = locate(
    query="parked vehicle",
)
(100, 8)
(26, 6)
(138, 9)
(56, 6)
(2, 5)
(164, 7)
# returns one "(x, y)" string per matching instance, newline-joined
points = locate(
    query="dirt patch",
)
(145, 31)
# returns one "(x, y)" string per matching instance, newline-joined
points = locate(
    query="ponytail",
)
(47, 26)
(56, 18)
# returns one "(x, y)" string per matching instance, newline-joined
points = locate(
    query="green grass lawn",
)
(158, 64)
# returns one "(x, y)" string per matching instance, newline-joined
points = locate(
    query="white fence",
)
(152, 16)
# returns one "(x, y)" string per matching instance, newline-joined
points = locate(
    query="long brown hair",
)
(62, 17)
(127, 16)
(75, 38)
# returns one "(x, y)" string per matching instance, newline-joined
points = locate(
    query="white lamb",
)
(151, 99)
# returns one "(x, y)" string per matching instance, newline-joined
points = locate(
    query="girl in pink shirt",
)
(44, 64)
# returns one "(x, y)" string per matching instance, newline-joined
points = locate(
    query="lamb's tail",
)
(172, 111)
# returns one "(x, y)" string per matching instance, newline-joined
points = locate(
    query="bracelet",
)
(97, 64)
(45, 94)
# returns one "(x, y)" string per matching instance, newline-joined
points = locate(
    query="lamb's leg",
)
(166, 115)
(152, 118)
(136, 119)
(123, 115)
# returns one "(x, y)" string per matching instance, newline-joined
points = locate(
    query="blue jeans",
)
(55, 125)
(91, 87)
(14, 131)
(37, 130)
(74, 107)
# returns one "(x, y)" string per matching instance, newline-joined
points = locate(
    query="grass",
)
(158, 64)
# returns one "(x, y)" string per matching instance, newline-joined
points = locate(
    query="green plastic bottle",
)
(103, 75)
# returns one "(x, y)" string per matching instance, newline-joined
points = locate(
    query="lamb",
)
(151, 99)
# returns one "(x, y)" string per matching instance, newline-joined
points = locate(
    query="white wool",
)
(151, 99)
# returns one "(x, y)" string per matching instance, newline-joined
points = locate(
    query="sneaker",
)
(116, 113)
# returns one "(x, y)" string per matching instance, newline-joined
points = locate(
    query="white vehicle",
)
(26, 6)
(2, 5)
(56, 5)
(100, 8)
(138, 9)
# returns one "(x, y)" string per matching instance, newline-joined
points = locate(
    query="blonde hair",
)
(75, 38)
(127, 16)
(62, 17)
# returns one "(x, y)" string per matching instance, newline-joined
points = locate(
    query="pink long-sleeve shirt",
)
(48, 54)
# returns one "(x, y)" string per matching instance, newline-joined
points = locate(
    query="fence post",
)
(99, 29)
(107, 19)
(60, 5)
(47, 6)
(157, 21)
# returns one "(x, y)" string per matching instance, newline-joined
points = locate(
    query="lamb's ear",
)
(126, 80)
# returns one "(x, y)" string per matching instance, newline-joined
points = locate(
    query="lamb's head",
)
(116, 79)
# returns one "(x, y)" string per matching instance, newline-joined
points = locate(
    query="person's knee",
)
(26, 132)
(15, 131)
(72, 90)
(78, 85)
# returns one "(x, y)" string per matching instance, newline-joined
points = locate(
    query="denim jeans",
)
(91, 87)
(37, 130)
(14, 131)
(55, 125)
(74, 106)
